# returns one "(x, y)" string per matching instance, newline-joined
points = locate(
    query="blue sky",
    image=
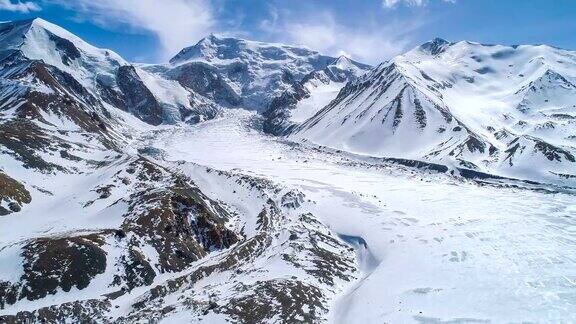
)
(366, 30)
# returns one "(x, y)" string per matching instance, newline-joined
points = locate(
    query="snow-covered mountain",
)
(242, 73)
(101, 74)
(497, 109)
(132, 193)
(95, 226)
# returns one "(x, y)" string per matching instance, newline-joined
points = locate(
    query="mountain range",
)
(97, 226)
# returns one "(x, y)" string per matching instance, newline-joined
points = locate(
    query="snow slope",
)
(504, 110)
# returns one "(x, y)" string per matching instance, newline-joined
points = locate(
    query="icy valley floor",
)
(431, 247)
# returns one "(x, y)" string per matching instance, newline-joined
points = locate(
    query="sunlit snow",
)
(443, 248)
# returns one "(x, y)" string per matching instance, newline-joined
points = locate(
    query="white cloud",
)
(23, 7)
(321, 37)
(394, 3)
(410, 3)
(370, 43)
(271, 23)
(176, 23)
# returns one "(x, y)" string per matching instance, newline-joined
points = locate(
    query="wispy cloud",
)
(22, 7)
(176, 23)
(370, 43)
(181, 23)
(410, 3)
(271, 23)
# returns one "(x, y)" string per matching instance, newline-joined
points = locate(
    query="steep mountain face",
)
(307, 97)
(242, 73)
(139, 98)
(51, 114)
(498, 109)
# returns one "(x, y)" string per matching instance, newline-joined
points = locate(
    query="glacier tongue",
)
(440, 248)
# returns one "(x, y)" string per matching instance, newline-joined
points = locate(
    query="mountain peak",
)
(219, 47)
(435, 46)
(40, 40)
(33, 35)
(342, 61)
(24, 26)
(40, 22)
(213, 39)
(440, 40)
(207, 48)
